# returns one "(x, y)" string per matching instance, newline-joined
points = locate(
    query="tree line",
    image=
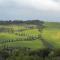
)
(35, 22)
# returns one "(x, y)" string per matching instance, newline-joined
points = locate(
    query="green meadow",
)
(28, 35)
(31, 36)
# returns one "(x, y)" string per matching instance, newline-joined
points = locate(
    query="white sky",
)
(30, 9)
(40, 4)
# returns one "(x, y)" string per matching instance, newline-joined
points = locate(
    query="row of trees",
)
(35, 22)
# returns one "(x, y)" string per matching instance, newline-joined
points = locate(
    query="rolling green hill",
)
(34, 35)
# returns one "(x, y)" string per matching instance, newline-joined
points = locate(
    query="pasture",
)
(31, 36)
(18, 34)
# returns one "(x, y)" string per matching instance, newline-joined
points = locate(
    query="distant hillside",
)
(52, 24)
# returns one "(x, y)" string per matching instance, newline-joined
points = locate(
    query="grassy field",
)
(29, 36)
(24, 35)
(20, 36)
(52, 34)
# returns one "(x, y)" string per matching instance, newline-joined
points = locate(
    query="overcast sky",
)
(48, 10)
